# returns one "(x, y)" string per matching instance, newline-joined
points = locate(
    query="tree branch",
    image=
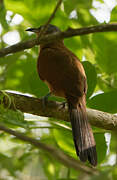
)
(57, 154)
(53, 109)
(59, 35)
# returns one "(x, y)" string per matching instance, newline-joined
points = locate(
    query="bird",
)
(65, 76)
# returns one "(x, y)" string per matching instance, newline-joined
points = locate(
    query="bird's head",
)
(50, 29)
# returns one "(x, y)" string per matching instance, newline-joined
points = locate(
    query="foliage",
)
(18, 72)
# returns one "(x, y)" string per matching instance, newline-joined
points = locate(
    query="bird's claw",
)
(45, 99)
(62, 105)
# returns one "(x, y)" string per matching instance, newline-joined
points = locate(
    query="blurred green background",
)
(98, 53)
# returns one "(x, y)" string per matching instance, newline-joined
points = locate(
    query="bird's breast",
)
(61, 71)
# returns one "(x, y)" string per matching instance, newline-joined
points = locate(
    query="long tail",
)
(82, 133)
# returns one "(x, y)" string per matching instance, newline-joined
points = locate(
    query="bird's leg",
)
(45, 99)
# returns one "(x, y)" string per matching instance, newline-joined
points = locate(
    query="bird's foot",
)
(45, 99)
(62, 105)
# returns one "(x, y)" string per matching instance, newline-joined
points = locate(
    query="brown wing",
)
(62, 70)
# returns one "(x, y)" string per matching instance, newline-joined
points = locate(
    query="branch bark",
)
(53, 109)
(55, 153)
(59, 35)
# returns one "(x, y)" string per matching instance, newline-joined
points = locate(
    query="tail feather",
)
(83, 135)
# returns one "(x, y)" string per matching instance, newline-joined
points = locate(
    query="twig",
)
(55, 153)
(56, 36)
(35, 106)
(50, 19)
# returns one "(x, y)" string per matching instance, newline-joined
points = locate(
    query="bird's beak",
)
(35, 30)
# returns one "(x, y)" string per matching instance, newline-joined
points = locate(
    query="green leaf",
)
(85, 18)
(62, 20)
(84, 4)
(105, 51)
(91, 77)
(101, 146)
(68, 6)
(105, 102)
(114, 14)
(75, 45)
(113, 143)
(2, 15)
(114, 173)
(38, 87)
(65, 144)
(12, 118)
(18, 73)
(36, 12)
(7, 163)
